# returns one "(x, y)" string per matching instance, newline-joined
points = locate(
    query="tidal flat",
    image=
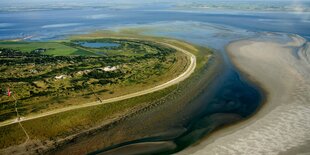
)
(281, 68)
(196, 115)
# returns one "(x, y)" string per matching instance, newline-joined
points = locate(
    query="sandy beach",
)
(282, 124)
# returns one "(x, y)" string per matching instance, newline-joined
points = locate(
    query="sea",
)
(213, 28)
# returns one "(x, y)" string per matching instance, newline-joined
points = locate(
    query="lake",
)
(98, 44)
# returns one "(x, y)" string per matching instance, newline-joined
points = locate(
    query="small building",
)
(109, 68)
(61, 77)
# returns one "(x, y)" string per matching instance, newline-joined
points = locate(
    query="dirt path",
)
(174, 81)
(18, 119)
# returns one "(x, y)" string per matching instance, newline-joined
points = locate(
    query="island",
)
(60, 90)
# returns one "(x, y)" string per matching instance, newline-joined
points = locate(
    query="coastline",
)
(281, 76)
(189, 73)
(190, 70)
(211, 70)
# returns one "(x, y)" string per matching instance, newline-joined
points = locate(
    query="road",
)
(174, 81)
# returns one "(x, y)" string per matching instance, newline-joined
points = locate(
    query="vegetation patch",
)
(41, 79)
(129, 71)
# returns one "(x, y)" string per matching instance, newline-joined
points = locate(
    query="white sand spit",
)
(282, 126)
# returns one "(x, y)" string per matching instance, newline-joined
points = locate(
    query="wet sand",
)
(142, 148)
(282, 125)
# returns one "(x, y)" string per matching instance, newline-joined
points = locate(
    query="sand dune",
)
(282, 126)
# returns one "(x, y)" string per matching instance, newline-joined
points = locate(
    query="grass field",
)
(56, 128)
(140, 65)
(68, 48)
(53, 48)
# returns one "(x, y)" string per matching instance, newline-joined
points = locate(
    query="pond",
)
(98, 44)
